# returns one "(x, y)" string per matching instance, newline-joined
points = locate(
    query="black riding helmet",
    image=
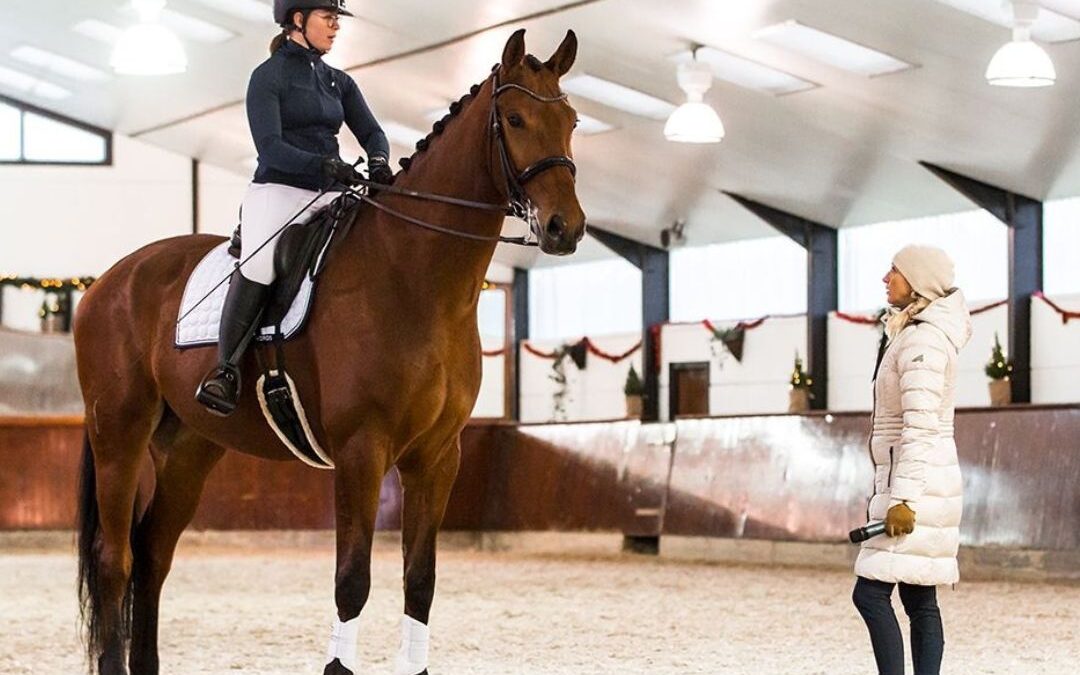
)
(283, 9)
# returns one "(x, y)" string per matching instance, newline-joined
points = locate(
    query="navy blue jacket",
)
(295, 106)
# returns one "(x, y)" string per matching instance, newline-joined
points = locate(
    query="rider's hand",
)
(379, 172)
(899, 520)
(342, 172)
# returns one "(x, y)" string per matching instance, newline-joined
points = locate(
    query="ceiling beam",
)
(1024, 217)
(822, 286)
(654, 264)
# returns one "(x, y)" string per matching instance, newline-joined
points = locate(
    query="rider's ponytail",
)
(279, 40)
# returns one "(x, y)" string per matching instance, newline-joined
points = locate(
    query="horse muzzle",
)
(560, 236)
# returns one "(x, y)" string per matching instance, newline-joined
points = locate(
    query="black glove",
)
(379, 172)
(333, 167)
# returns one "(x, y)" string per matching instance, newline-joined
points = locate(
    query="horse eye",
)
(515, 120)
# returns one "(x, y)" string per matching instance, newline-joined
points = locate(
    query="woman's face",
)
(897, 288)
(322, 28)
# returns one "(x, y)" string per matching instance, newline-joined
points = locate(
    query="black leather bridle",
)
(518, 204)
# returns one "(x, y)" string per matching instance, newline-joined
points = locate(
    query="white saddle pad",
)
(199, 326)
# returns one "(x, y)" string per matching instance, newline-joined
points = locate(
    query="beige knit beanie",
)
(928, 269)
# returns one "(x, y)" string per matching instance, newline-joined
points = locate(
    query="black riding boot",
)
(220, 389)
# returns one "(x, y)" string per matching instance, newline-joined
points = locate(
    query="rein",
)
(518, 204)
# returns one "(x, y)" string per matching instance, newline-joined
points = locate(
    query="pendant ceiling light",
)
(694, 121)
(1021, 63)
(149, 48)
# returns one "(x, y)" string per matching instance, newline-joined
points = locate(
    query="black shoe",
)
(220, 389)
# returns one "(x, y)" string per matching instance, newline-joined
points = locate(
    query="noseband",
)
(518, 204)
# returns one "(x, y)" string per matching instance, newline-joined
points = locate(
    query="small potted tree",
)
(799, 396)
(998, 369)
(51, 315)
(635, 392)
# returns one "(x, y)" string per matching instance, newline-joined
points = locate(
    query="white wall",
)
(592, 394)
(757, 384)
(1055, 351)
(220, 195)
(63, 221)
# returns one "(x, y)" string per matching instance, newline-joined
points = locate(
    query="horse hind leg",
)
(115, 446)
(426, 494)
(185, 460)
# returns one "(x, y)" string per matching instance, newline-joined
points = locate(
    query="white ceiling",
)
(844, 153)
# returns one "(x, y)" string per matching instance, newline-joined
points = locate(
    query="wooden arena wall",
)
(777, 477)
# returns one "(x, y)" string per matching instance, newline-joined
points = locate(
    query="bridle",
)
(518, 204)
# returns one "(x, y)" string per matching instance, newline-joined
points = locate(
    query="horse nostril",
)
(556, 226)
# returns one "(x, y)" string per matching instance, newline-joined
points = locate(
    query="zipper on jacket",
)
(888, 483)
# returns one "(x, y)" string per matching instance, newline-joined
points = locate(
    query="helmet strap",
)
(303, 31)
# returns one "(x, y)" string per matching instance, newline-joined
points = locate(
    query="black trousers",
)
(874, 602)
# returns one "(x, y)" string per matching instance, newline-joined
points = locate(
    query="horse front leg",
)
(359, 470)
(427, 483)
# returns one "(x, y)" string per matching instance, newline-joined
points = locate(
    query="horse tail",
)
(88, 527)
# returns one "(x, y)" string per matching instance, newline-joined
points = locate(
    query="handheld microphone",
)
(866, 531)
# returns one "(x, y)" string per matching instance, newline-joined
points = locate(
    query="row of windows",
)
(748, 279)
(28, 136)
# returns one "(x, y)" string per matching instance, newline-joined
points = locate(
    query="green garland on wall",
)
(48, 284)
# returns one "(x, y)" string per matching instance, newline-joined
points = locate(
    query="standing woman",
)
(917, 485)
(295, 106)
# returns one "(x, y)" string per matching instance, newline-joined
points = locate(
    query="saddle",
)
(301, 252)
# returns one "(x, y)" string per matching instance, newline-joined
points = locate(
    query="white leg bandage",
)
(343, 639)
(412, 658)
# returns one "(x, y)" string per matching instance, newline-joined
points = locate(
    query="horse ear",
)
(563, 58)
(514, 51)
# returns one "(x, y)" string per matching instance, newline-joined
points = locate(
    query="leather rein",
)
(518, 204)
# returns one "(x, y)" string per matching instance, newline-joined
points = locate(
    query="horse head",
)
(534, 123)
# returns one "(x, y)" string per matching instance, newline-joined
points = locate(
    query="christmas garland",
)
(876, 319)
(1066, 315)
(586, 344)
(48, 284)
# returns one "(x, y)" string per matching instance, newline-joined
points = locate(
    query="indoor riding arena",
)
(540, 337)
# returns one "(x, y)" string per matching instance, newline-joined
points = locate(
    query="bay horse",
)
(388, 366)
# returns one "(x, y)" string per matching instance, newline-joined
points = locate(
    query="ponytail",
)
(278, 40)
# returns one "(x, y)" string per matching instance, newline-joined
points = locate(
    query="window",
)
(491, 317)
(32, 136)
(739, 280)
(1061, 245)
(10, 133)
(866, 253)
(594, 298)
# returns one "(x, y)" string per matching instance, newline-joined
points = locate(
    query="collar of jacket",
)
(294, 48)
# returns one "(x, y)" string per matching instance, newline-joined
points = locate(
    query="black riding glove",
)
(379, 172)
(342, 172)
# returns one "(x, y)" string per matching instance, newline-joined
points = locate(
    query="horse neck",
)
(457, 164)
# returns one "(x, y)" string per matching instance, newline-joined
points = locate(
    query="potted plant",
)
(635, 392)
(50, 312)
(799, 396)
(998, 369)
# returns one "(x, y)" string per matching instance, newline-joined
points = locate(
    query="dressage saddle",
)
(301, 251)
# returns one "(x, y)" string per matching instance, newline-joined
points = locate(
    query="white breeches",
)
(268, 206)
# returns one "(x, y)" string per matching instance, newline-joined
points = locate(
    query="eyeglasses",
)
(330, 18)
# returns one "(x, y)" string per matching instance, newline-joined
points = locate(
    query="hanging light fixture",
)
(694, 121)
(1021, 63)
(149, 48)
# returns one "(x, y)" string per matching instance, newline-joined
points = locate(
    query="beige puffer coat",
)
(913, 449)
